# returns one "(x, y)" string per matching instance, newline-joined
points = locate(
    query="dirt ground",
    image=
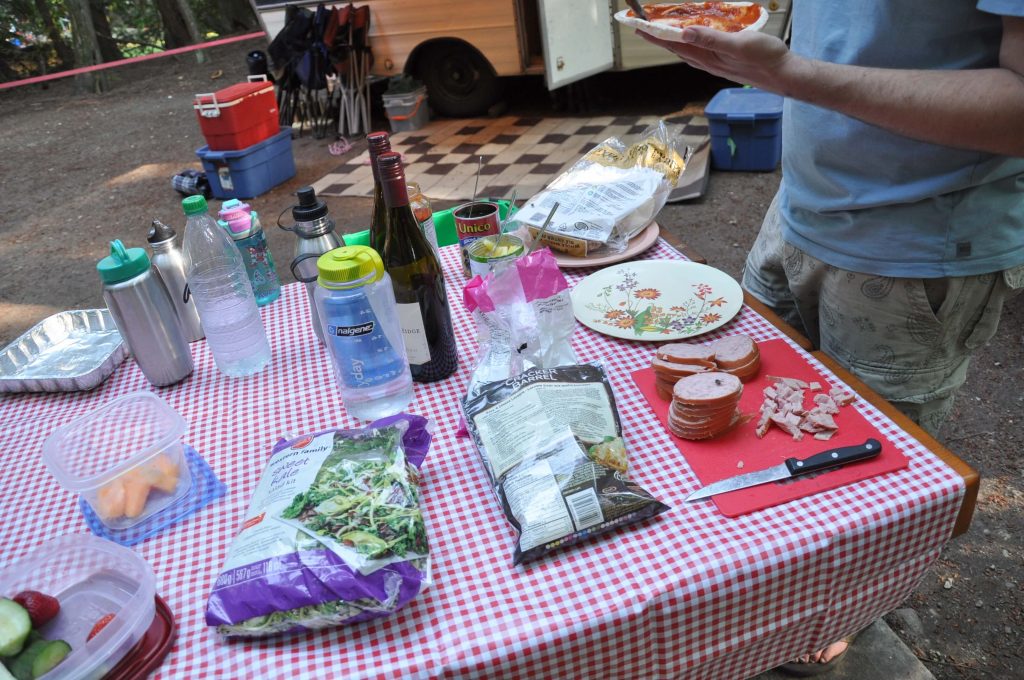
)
(79, 170)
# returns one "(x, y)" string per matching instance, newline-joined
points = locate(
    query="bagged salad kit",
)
(333, 534)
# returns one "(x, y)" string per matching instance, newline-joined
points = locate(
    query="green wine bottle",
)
(417, 279)
(379, 143)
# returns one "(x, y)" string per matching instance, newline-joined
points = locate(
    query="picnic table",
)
(690, 593)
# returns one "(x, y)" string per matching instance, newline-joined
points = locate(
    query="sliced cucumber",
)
(21, 666)
(15, 625)
(52, 654)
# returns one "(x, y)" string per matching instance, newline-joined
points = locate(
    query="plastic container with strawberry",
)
(74, 609)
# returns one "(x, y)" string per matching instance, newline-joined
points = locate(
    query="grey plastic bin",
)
(407, 111)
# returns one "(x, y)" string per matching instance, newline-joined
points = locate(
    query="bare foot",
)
(825, 655)
(818, 662)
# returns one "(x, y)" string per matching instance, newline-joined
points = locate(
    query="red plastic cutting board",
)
(718, 458)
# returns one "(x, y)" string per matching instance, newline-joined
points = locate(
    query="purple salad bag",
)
(312, 553)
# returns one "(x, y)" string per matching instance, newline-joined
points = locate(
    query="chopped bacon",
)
(818, 421)
(841, 396)
(785, 421)
(789, 382)
(765, 414)
(784, 406)
(826, 403)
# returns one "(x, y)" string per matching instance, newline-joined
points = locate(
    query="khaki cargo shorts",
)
(909, 339)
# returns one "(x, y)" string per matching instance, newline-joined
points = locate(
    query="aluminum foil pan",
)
(69, 351)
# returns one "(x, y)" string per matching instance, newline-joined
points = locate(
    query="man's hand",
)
(979, 109)
(746, 57)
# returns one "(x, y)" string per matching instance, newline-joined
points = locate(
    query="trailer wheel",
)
(460, 81)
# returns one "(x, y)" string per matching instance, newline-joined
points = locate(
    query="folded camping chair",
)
(285, 50)
(352, 58)
(300, 53)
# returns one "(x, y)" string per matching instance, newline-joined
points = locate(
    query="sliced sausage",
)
(734, 351)
(708, 389)
(685, 353)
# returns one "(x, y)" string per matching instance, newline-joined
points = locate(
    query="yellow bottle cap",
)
(358, 265)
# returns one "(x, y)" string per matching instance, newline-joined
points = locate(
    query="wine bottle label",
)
(430, 231)
(410, 318)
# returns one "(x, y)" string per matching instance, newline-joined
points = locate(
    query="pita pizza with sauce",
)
(667, 20)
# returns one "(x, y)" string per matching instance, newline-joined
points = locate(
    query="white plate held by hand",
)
(656, 300)
(667, 31)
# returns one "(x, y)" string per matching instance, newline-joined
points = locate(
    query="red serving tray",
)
(238, 116)
(718, 458)
(150, 650)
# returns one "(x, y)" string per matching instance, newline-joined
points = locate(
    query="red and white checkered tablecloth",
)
(691, 593)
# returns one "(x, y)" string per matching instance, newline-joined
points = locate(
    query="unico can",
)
(472, 221)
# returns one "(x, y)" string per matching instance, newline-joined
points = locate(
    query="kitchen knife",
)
(637, 9)
(793, 467)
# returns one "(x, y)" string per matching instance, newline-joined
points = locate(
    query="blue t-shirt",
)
(868, 200)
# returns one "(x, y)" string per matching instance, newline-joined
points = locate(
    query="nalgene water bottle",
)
(359, 319)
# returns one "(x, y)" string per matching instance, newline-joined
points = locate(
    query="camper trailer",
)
(461, 48)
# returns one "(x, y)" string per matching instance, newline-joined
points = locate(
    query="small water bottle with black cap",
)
(359, 318)
(315, 234)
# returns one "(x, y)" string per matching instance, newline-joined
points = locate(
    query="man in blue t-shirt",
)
(898, 230)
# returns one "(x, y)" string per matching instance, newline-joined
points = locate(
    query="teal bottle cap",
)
(122, 263)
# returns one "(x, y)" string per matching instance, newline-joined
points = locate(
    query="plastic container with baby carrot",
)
(125, 458)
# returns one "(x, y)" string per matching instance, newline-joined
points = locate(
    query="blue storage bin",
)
(249, 172)
(746, 129)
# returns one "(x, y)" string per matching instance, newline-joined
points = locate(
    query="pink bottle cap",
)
(235, 217)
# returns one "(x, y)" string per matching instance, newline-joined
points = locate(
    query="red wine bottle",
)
(417, 279)
(379, 143)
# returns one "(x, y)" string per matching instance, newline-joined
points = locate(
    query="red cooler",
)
(238, 116)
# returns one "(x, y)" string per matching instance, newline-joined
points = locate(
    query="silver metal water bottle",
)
(315, 231)
(169, 264)
(144, 315)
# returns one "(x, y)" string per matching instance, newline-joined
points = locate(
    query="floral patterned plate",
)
(656, 300)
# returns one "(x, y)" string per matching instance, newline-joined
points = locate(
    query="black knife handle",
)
(834, 458)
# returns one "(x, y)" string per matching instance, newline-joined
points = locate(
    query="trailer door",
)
(577, 38)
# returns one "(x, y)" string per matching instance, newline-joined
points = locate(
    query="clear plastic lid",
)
(103, 444)
(91, 578)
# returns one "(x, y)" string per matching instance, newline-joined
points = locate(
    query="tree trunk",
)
(64, 53)
(193, 28)
(180, 26)
(87, 48)
(109, 50)
(235, 16)
(6, 72)
(176, 29)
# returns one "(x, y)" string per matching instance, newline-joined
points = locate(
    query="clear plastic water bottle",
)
(359, 318)
(223, 295)
(243, 225)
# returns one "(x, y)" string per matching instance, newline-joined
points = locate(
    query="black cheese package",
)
(552, 443)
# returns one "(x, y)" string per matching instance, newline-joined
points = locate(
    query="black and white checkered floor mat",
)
(516, 152)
